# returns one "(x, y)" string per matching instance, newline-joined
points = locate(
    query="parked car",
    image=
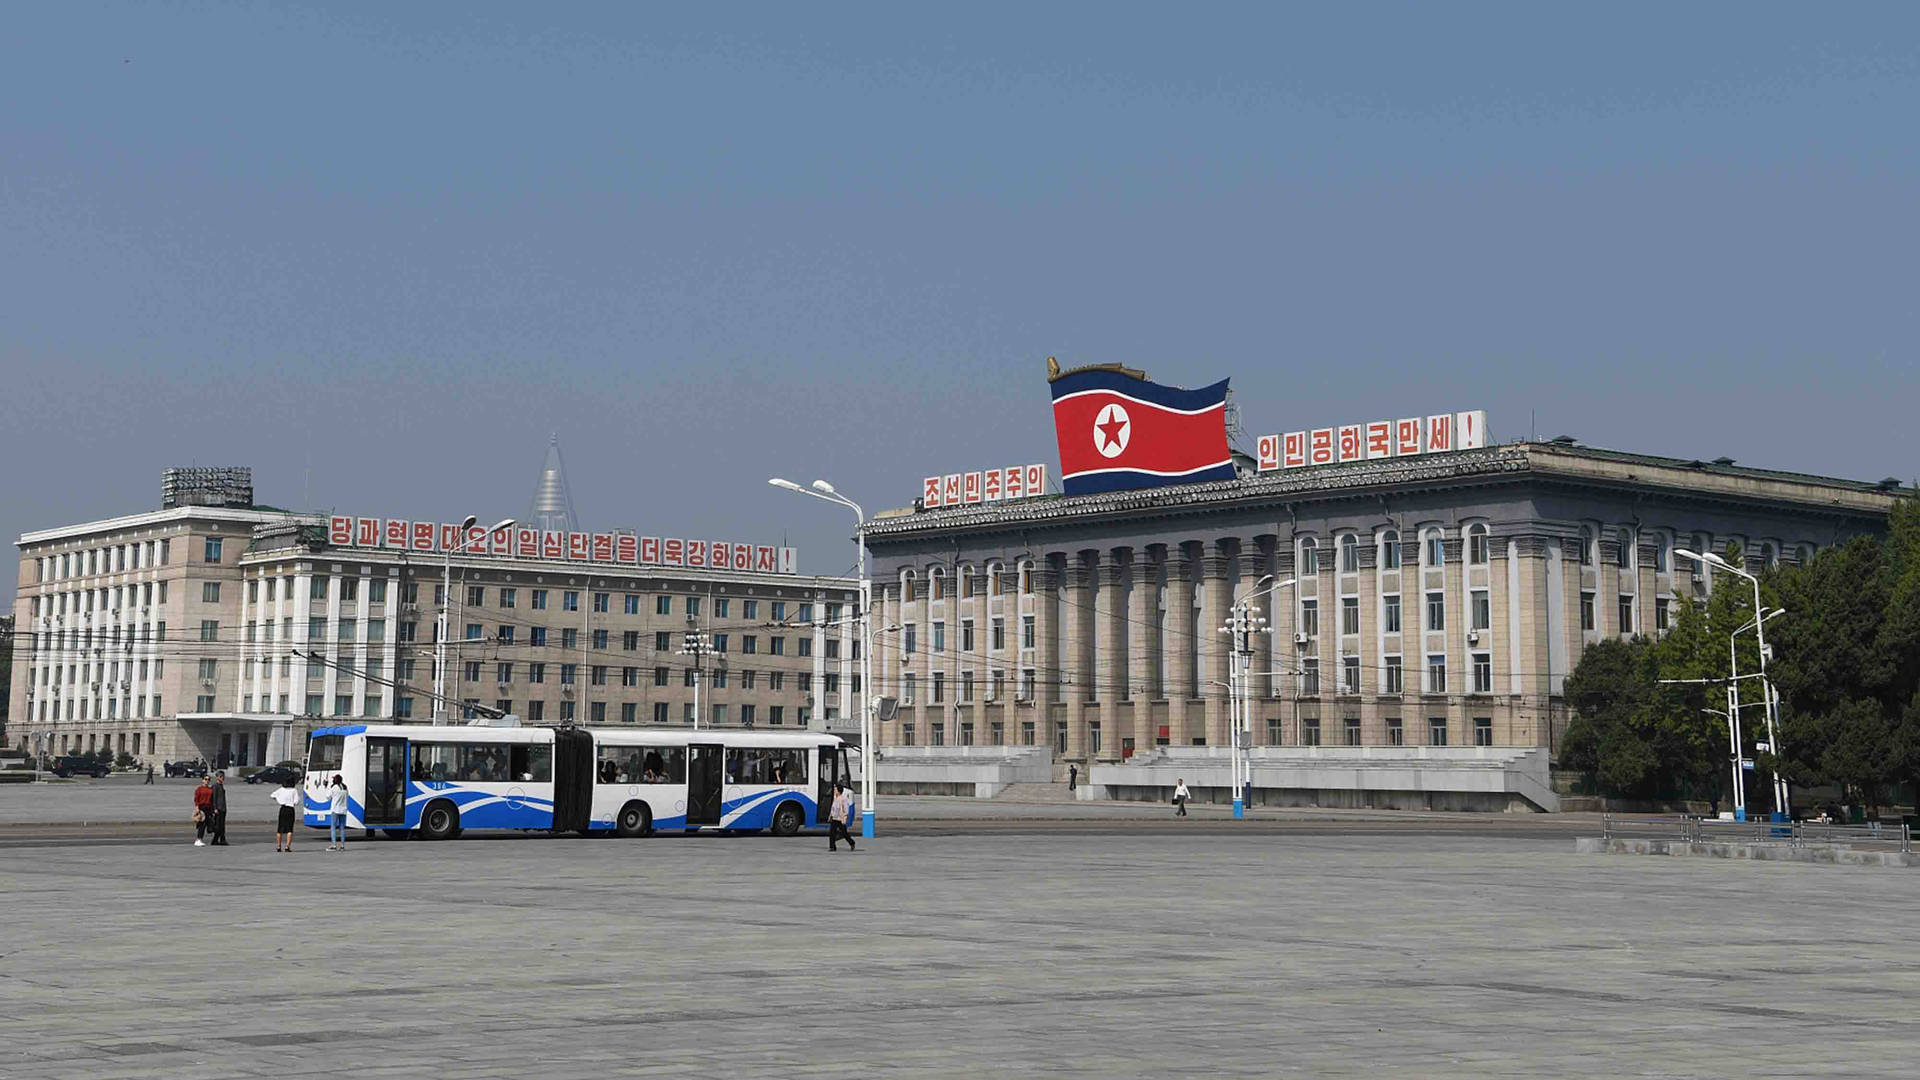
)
(185, 768)
(79, 765)
(274, 774)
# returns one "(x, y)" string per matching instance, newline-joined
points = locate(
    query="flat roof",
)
(237, 515)
(1559, 461)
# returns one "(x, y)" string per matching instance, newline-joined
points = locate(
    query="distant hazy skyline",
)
(378, 252)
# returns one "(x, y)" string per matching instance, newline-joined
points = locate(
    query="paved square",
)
(995, 953)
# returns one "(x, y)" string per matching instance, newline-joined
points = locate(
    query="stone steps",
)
(1035, 793)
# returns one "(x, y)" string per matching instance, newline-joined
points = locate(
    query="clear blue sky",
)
(390, 247)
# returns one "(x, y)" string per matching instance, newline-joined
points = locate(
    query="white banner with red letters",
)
(1437, 434)
(985, 486)
(522, 542)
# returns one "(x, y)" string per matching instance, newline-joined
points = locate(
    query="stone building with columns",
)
(1433, 601)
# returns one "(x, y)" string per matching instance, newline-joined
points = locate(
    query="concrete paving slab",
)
(1045, 954)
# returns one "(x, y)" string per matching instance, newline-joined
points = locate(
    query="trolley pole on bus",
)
(825, 491)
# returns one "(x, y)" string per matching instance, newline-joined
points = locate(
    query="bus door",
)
(704, 775)
(386, 802)
(823, 791)
(573, 754)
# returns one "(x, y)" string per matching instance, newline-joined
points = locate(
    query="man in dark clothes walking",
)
(1073, 777)
(219, 810)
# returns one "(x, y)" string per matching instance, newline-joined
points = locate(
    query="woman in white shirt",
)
(288, 796)
(337, 814)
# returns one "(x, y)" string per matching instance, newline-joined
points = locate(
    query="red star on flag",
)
(1110, 431)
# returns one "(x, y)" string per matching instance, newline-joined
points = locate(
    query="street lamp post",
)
(825, 491)
(1242, 624)
(1769, 701)
(446, 601)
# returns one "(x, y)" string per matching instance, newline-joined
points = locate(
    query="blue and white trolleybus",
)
(435, 782)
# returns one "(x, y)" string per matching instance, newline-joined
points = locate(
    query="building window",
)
(660, 714)
(1060, 736)
(662, 640)
(906, 734)
(1390, 613)
(1396, 732)
(906, 687)
(1026, 733)
(1396, 676)
(1026, 631)
(1390, 550)
(1436, 548)
(1349, 615)
(476, 596)
(1349, 674)
(629, 712)
(1309, 557)
(1310, 731)
(1349, 554)
(209, 631)
(1661, 615)
(570, 601)
(939, 637)
(569, 638)
(1586, 611)
(1437, 731)
(213, 555)
(1310, 676)
(210, 592)
(503, 672)
(1482, 611)
(660, 676)
(600, 639)
(1625, 556)
(910, 640)
(630, 641)
(1586, 545)
(966, 635)
(1352, 730)
(1483, 731)
(537, 671)
(600, 602)
(939, 687)
(1477, 545)
(1483, 673)
(936, 732)
(997, 634)
(1310, 618)
(1436, 611)
(539, 599)
(1437, 673)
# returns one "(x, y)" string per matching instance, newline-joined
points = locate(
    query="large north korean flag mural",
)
(1118, 431)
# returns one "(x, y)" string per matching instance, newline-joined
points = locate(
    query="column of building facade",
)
(390, 651)
(1645, 564)
(1143, 617)
(1279, 655)
(1110, 665)
(1606, 589)
(330, 676)
(1326, 647)
(1184, 721)
(1215, 647)
(1533, 632)
(980, 659)
(1047, 664)
(1571, 588)
(1459, 657)
(1373, 680)
(1078, 648)
(1498, 641)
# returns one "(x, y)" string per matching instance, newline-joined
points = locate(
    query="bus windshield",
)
(326, 753)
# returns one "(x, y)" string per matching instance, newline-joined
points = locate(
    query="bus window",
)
(786, 767)
(531, 764)
(326, 753)
(433, 761)
(643, 765)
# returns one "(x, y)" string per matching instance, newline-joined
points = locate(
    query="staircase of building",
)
(1035, 793)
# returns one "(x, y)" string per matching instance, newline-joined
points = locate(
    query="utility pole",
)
(696, 643)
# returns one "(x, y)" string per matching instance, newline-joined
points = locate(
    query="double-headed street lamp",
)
(446, 600)
(825, 491)
(1708, 559)
(1242, 624)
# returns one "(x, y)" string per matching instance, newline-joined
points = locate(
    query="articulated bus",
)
(434, 782)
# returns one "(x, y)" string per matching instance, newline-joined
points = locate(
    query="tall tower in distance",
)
(552, 499)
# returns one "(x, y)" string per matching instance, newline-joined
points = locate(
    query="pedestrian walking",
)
(839, 818)
(1181, 796)
(202, 811)
(1073, 777)
(149, 774)
(219, 813)
(288, 796)
(337, 814)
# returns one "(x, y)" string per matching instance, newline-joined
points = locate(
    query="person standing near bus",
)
(337, 814)
(839, 818)
(288, 796)
(202, 811)
(219, 812)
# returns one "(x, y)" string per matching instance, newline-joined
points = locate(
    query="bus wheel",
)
(635, 820)
(440, 821)
(788, 819)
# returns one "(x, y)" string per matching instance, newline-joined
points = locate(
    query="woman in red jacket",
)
(202, 811)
